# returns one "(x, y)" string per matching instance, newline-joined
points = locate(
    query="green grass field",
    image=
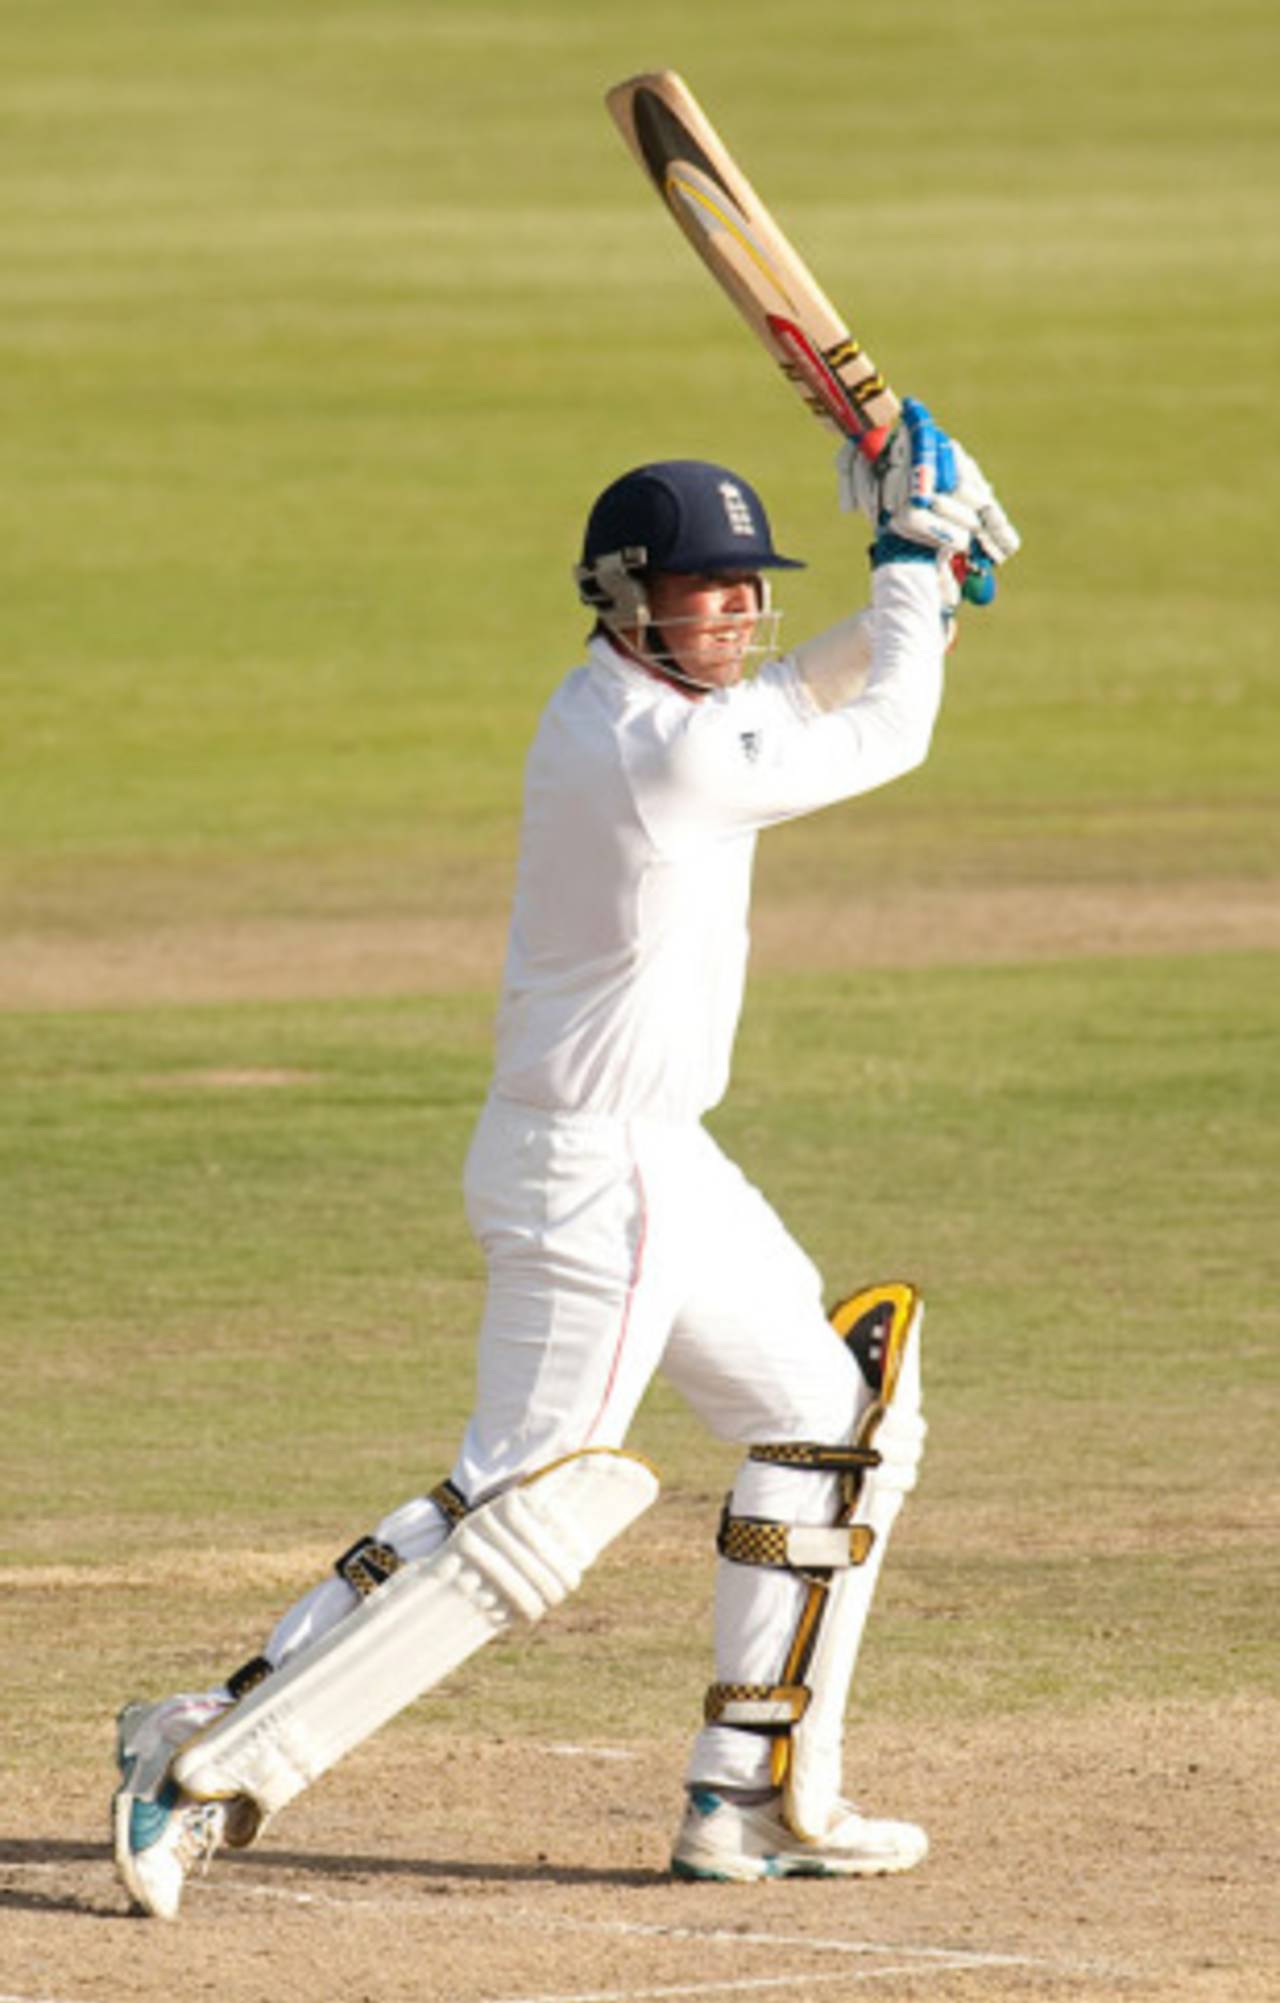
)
(321, 326)
(242, 1314)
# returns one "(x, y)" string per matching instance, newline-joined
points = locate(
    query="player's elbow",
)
(917, 743)
(905, 734)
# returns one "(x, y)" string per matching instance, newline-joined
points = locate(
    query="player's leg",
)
(572, 1330)
(159, 1831)
(586, 1265)
(571, 1334)
(512, 1559)
(803, 1537)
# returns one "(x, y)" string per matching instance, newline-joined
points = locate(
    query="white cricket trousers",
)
(617, 1248)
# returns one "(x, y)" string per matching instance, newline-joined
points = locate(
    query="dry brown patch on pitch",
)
(227, 1079)
(338, 956)
(915, 927)
(199, 1570)
(277, 959)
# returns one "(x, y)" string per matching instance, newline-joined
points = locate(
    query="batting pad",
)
(893, 1423)
(512, 1559)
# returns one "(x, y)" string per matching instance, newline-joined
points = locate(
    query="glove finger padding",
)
(996, 532)
(929, 526)
(957, 510)
(992, 527)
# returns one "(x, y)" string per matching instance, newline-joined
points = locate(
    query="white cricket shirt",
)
(628, 944)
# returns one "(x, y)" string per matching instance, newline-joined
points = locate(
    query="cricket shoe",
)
(159, 1833)
(720, 1839)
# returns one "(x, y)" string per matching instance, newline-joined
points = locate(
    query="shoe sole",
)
(754, 1871)
(121, 1815)
(122, 1807)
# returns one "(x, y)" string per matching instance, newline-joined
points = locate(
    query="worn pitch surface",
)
(1094, 1861)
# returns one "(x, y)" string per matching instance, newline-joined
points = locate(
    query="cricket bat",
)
(764, 275)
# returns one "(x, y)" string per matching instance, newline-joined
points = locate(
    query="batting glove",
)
(929, 501)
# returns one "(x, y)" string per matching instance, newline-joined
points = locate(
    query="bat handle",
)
(872, 443)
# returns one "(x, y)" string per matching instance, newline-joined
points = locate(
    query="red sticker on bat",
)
(808, 367)
(826, 394)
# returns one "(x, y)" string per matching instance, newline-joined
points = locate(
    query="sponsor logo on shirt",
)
(750, 742)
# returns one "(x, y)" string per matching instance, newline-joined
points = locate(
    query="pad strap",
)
(371, 1561)
(795, 1547)
(450, 1501)
(367, 1565)
(814, 1454)
(756, 1707)
(249, 1675)
(851, 1462)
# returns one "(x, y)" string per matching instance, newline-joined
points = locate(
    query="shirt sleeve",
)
(767, 752)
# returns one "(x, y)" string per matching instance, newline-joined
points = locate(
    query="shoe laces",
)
(199, 1835)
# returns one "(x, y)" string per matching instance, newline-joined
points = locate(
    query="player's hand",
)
(911, 490)
(927, 499)
(995, 537)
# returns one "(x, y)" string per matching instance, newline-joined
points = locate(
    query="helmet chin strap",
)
(653, 649)
(655, 653)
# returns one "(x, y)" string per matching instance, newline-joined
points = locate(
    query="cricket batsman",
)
(619, 1239)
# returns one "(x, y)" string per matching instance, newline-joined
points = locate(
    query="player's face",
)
(707, 622)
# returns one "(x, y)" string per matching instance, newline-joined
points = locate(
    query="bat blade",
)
(737, 238)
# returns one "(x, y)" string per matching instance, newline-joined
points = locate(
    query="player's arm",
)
(769, 754)
(929, 502)
(855, 709)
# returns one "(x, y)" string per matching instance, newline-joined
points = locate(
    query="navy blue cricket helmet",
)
(684, 515)
(680, 516)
